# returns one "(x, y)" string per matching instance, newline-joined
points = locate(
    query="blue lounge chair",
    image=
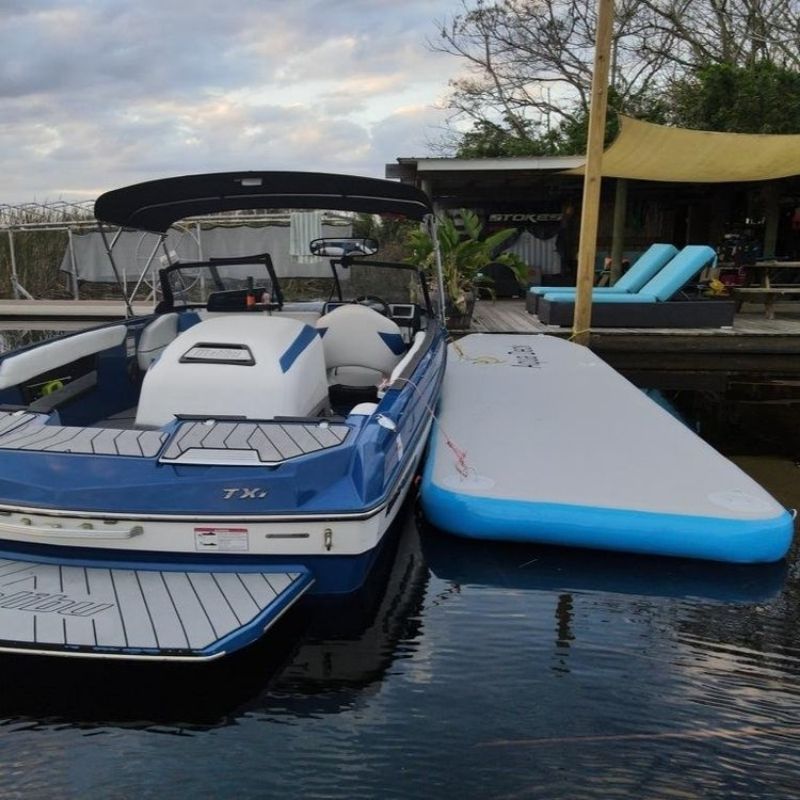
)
(646, 267)
(664, 285)
(653, 305)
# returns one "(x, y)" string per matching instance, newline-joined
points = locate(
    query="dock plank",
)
(510, 316)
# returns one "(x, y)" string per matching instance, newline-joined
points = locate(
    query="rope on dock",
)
(461, 465)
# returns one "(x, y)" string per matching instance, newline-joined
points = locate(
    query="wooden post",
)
(618, 236)
(590, 209)
(771, 219)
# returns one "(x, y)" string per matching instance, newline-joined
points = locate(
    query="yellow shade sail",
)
(644, 151)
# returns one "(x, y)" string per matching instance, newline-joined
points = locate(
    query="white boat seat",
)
(155, 337)
(250, 366)
(361, 346)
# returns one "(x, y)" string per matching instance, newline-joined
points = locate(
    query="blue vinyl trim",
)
(303, 340)
(394, 341)
(187, 319)
(627, 530)
(322, 332)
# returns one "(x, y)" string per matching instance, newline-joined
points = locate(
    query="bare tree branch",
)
(527, 60)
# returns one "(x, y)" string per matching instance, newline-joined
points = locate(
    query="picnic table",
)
(765, 273)
(762, 284)
(764, 294)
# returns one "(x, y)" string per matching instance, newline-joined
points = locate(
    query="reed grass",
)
(38, 253)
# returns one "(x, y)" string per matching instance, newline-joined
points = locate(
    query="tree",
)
(762, 98)
(740, 33)
(528, 62)
(490, 139)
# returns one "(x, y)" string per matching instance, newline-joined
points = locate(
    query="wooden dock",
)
(68, 310)
(672, 357)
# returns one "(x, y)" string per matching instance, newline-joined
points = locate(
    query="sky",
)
(103, 93)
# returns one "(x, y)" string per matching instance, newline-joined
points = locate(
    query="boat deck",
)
(161, 614)
(194, 442)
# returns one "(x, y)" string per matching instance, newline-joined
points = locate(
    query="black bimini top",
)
(155, 205)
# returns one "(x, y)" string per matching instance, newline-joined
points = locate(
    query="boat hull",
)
(338, 549)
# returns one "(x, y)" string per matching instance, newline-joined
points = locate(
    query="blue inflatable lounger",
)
(646, 267)
(581, 457)
(655, 305)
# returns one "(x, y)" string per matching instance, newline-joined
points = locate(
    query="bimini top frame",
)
(155, 205)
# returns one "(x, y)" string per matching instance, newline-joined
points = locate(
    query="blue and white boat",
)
(171, 484)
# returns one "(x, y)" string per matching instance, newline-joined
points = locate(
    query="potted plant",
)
(464, 254)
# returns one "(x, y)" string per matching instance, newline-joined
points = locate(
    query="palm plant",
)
(464, 254)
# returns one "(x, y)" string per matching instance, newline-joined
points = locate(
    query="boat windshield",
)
(197, 283)
(290, 279)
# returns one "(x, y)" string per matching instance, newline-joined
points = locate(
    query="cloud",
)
(101, 94)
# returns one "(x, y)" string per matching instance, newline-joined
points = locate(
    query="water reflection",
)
(532, 567)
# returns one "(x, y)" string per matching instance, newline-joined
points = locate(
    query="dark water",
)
(464, 670)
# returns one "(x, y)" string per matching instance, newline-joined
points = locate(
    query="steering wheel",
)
(375, 303)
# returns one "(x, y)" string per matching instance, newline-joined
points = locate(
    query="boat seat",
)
(361, 346)
(159, 333)
(155, 337)
(250, 366)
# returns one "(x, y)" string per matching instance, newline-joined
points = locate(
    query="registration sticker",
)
(226, 540)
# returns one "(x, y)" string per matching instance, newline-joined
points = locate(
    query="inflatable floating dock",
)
(539, 440)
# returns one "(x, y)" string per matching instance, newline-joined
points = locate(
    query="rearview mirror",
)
(345, 246)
